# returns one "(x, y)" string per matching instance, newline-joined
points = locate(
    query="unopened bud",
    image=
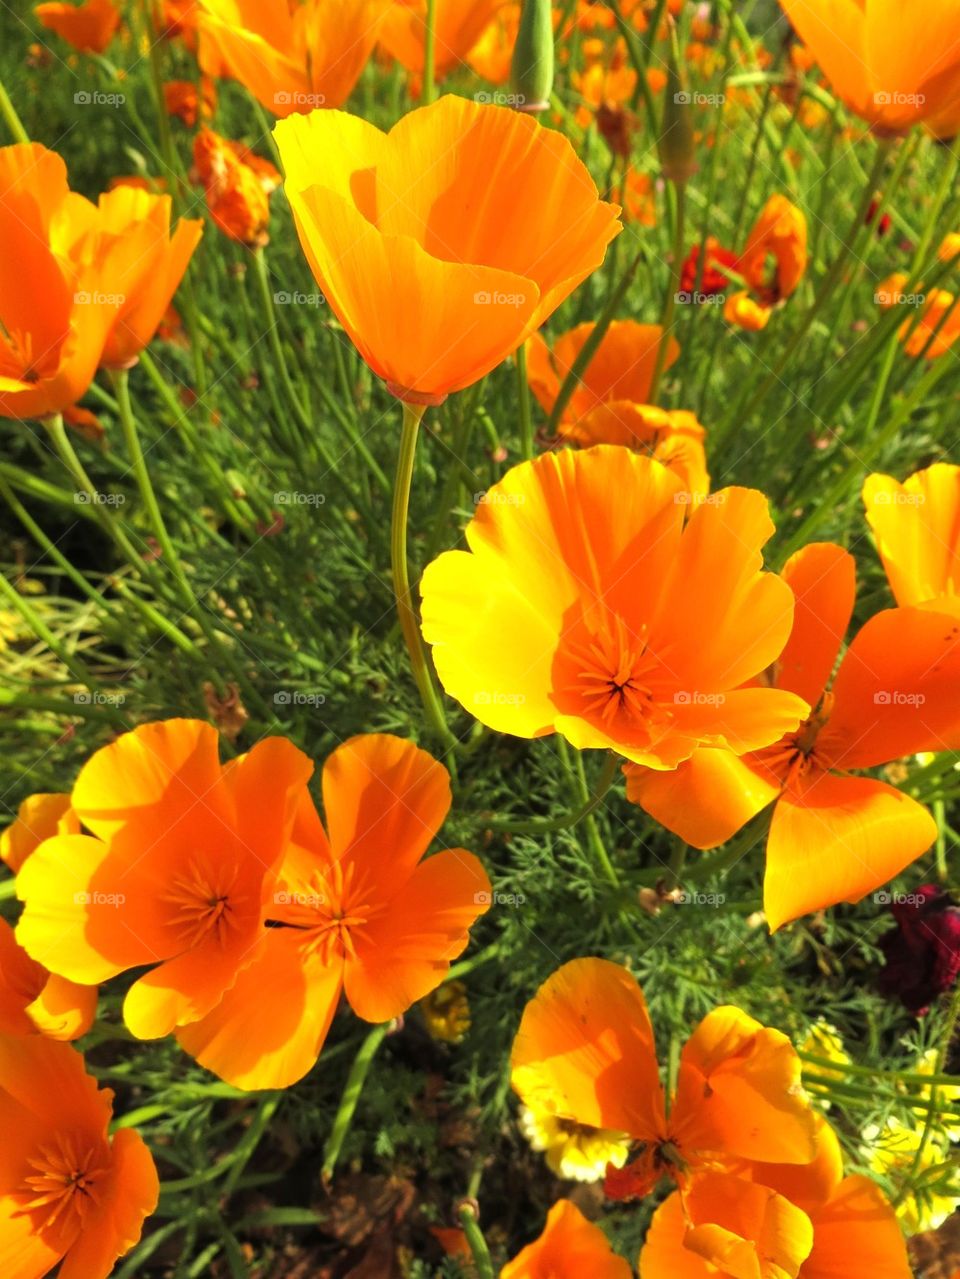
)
(531, 71)
(677, 150)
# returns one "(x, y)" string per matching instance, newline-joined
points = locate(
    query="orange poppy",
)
(937, 329)
(32, 1001)
(833, 836)
(237, 185)
(890, 62)
(458, 25)
(639, 198)
(774, 258)
(354, 909)
(422, 240)
(70, 1193)
(492, 53)
(292, 57)
(182, 98)
(917, 530)
(585, 1052)
(89, 26)
(570, 1247)
(616, 623)
(745, 312)
(38, 818)
(172, 873)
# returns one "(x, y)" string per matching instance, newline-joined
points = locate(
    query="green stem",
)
(672, 289)
(247, 1145)
(351, 1095)
(478, 1245)
(10, 118)
(523, 397)
(943, 1054)
(412, 415)
(548, 825)
(429, 91)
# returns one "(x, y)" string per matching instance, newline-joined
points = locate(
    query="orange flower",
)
(34, 1002)
(603, 85)
(179, 855)
(439, 270)
(182, 99)
(833, 836)
(39, 817)
(291, 57)
(810, 1222)
(492, 54)
(775, 256)
(585, 1053)
(917, 530)
(615, 623)
(237, 184)
(745, 312)
(69, 1192)
(89, 26)
(639, 198)
(569, 1248)
(458, 25)
(937, 329)
(888, 65)
(355, 910)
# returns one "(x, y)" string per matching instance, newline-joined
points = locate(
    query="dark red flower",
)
(923, 951)
(883, 226)
(714, 281)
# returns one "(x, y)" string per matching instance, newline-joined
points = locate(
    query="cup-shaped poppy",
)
(895, 63)
(774, 258)
(33, 1001)
(585, 1052)
(89, 26)
(291, 57)
(570, 1247)
(916, 525)
(422, 239)
(38, 817)
(618, 624)
(458, 25)
(179, 853)
(355, 910)
(70, 1194)
(834, 836)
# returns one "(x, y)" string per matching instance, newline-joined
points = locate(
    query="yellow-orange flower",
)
(937, 329)
(89, 26)
(237, 185)
(291, 57)
(616, 623)
(172, 873)
(745, 312)
(570, 1247)
(32, 1001)
(38, 818)
(585, 1052)
(833, 836)
(639, 198)
(775, 256)
(949, 247)
(422, 240)
(895, 63)
(69, 1192)
(492, 53)
(354, 910)
(458, 25)
(917, 529)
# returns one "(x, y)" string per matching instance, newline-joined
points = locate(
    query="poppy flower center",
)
(202, 903)
(16, 355)
(66, 1181)
(333, 907)
(795, 757)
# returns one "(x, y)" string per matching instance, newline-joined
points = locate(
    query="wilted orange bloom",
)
(439, 271)
(89, 26)
(639, 198)
(354, 909)
(745, 312)
(180, 853)
(237, 185)
(569, 1248)
(833, 836)
(458, 25)
(805, 1221)
(775, 256)
(33, 1002)
(917, 529)
(85, 422)
(181, 98)
(585, 1052)
(292, 57)
(619, 623)
(69, 1192)
(890, 67)
(492, 54)
(609, 86)
(38, 818)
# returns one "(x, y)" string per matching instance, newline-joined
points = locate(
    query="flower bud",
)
(531, 71)
(676, 146)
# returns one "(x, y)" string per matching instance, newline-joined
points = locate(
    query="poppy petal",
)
(745, 1230)
(663, 1255)
(823, 579)
(569, 1245)
(857, 1236)
(917, 529)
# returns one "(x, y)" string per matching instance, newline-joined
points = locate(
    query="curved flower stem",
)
(429, 91)
(669, 306)
(351, 1095)
(523, 397)
(266, 1109)
(548, 825)
(8, 113)
(412, 414)
(478, 1245)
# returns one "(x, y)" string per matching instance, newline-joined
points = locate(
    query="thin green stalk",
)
(266, 1109)
(478, 1245)
(10, 118)
(429, 92)
(548, 825)
(523, 399)
(673, 288)
(351, 1095)
(412, 415)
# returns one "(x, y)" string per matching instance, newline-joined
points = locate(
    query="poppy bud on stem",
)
(469, 1221)
(531, 69)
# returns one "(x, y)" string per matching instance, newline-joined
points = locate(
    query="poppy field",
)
(480, 639)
